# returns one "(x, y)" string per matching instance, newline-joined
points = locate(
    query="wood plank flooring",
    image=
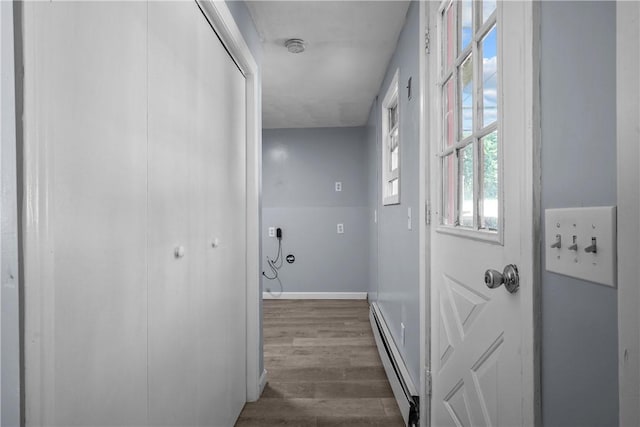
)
(323, 368)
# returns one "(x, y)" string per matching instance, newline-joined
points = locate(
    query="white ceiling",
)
(333, 83)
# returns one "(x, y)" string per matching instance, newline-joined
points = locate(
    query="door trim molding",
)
(426, 27)
(533, 250)
(220, 18)
(628, 182)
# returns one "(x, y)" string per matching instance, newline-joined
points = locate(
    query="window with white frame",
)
(391, 145)
(469, 149)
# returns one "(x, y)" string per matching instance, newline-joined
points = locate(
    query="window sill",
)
(391, 200)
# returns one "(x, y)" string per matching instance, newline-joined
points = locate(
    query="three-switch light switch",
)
(581, 243)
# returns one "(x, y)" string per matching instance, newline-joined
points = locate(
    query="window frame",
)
(391, 100)
(480, 30)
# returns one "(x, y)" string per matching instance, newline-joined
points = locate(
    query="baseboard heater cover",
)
(403, 388)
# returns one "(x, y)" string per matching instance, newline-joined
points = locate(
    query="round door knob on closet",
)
(179, 252)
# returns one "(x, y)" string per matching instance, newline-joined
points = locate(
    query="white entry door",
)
(483, 359)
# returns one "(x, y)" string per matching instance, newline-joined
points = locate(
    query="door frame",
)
(424, 228)
(628, 182)
(529, 26)
(223, 23)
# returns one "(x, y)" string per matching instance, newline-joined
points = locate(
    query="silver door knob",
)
(509, 278)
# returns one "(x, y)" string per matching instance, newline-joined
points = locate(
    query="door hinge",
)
(427, 213)
(427, 381)
(427, 41)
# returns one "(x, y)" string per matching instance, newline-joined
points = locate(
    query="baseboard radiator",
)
(403, 388)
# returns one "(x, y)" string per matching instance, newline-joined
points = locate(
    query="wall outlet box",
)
(340, 228)
(582, 243)
(338, 186)
(272, 232)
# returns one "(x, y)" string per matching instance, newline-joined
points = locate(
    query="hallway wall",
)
(300, 168)
(578, 90)
(394, 263)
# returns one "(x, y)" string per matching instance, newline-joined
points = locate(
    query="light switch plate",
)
(585, 224)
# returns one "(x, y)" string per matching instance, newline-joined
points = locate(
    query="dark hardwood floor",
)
(323, 368)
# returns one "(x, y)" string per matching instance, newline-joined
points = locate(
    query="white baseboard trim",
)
(315, 295)
(262, 383)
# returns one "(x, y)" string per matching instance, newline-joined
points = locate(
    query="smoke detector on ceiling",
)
(294, 45)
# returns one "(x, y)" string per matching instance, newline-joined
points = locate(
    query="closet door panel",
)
(192, 314)
(233, 276)
(85, 233)
(223, 313)
(172, 297)
(213, 311)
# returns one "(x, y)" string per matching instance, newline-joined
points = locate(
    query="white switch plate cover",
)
(340, 228)
(338, 186)
(272, 232)
(585, 224)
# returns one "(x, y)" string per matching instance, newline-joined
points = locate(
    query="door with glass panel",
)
(482, 296)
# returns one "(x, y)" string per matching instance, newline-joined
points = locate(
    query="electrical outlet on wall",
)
(272, 232)
(340, 228)
(338, 186)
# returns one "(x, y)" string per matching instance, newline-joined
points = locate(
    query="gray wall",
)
(579, 335)
(240, 13)
(10, 320)
(396, 264)
(300, 168)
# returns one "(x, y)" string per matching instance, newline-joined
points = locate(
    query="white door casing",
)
(425, 214)
(628, 182)
(484, 352)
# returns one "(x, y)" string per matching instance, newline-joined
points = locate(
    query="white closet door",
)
(85, 213)
(196, 197)
(173, 66)
(221, 205)
(231, 184)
